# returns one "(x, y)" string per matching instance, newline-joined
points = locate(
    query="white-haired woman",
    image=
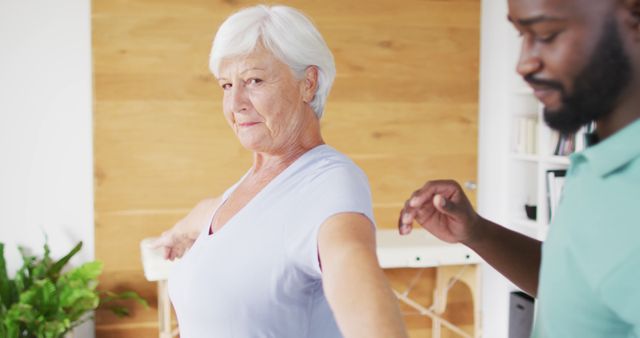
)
(289, 250)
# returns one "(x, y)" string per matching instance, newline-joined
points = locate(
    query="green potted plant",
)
(44, 301)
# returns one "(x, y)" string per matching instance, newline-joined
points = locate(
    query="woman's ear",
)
(310, 85)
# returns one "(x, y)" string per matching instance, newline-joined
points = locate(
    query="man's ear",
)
(310, 83)
(634, 7)
(632, 20)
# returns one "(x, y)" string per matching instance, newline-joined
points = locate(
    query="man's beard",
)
(597, 88)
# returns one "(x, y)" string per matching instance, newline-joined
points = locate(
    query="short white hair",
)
(285, 32)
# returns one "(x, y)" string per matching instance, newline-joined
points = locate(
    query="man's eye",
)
(547, 38)
(226, 86)
(254, 81)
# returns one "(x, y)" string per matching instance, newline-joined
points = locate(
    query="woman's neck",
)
(269, 164)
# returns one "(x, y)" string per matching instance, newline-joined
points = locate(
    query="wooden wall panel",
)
(404, 107)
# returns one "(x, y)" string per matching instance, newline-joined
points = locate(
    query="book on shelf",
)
(525, 138)
(567, 144)
(555, 184)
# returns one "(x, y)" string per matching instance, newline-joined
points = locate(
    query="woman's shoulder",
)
(327, 168)
(326, 156)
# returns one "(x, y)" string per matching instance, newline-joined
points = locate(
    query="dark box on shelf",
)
(521, 307)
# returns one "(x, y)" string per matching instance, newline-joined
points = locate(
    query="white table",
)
(156, 269)
(420, 250)
(453, 263)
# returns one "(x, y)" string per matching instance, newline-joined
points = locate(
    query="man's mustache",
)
(543, 83)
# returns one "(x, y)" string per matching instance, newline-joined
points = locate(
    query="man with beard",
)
(582, 59)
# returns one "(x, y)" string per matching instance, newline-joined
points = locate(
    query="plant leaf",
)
(85, 273)
(5, 291)
(43, 302)
(127, 295)
(54, 270)
(119, 311)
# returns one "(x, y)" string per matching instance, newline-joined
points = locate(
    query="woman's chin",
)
(253, 145)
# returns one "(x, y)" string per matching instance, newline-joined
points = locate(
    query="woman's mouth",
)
(247, 124)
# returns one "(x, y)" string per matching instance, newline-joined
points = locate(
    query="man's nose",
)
(529, 61)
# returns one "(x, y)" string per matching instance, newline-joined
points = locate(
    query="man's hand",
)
(443, 209)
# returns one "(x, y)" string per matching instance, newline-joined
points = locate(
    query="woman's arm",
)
(177, 240)
(355, 285)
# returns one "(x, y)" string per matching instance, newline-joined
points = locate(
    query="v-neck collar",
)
(264, 191)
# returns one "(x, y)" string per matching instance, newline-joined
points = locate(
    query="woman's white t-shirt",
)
(259, 275)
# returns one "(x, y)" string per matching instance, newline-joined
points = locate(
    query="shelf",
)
(523, 91)
(525, 223)
(525, 157)
(552, 159)
(530, 228)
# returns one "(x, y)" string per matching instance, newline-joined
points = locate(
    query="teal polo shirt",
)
(590, 275)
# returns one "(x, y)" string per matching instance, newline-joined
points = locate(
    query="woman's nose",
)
(238, 100)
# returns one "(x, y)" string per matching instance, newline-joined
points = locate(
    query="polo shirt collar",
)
(613, 152)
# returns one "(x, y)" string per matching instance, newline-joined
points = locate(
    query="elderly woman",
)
(289, 250)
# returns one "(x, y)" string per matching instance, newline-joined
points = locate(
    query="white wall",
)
(46, 151)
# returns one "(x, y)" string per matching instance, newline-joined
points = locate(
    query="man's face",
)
(573, 57)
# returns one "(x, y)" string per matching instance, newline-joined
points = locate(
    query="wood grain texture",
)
(403, 107)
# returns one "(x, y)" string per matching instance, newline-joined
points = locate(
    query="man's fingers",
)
(419, 198)
(406, 222)
(444, 205)
(440, 203)
(413, 207)
(430, 189)
(405, 219)
(420, 206)
(405, 229)
(423, 216)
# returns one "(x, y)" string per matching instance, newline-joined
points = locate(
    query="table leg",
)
(446, 276)
(164, 310)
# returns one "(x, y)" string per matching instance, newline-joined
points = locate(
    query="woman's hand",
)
(177, 240)
(443, 209)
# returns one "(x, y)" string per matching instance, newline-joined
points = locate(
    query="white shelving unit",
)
(527, 168)
(508, 176)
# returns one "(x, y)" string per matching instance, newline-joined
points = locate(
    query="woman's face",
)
(263, 102)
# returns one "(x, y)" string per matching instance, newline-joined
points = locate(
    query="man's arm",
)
(442, 208)
(355, 285)
(516, 256)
